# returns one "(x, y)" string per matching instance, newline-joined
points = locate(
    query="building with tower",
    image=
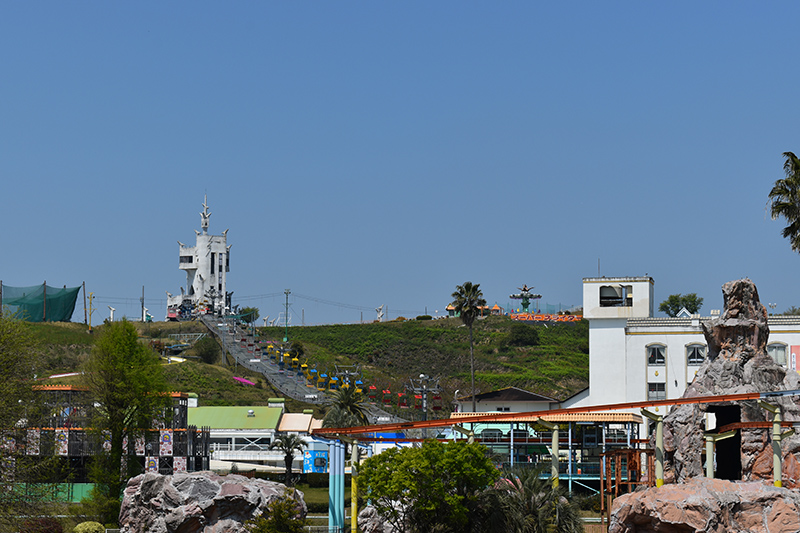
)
(635, 356)
(206, 264)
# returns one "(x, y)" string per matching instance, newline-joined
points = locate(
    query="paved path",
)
(287, 382)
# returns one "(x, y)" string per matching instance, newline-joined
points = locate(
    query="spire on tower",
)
(205, 215)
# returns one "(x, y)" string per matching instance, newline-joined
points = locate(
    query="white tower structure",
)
(206, 264)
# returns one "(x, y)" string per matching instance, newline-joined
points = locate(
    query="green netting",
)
(40, 303)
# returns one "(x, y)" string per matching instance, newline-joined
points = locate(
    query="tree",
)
(249, 314)
(784, 200)
(530, 504)
(520, 334)
(207, 349)
(468, 300)
(436, 487)
(347, 409)
(673, 305)
(127, 384)
(297, 349)
(283, 515)
(288, 443)
(26, 482)
(792, 311)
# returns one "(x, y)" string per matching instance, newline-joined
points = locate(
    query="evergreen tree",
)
(126, 381)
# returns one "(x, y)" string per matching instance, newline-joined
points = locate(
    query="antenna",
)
(112, 313)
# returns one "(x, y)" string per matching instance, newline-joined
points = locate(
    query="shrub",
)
(282, 515)
(317, 479)
(424, 317)
(523, 335)
(42, 525)
(207, 349)
(89, 527)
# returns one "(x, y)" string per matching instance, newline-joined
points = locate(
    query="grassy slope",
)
(389, 353)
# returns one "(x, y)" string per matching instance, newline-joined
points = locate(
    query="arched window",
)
(656, 354)
(777, 351)
(695, 354)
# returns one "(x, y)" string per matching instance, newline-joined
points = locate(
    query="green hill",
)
(551, 360)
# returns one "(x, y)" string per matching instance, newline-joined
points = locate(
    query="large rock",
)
(737, 362)
(196, 502)
(369, 521)
(708, 505)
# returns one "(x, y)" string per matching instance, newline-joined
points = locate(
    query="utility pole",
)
(287, 292)
(91, 310)
(142, 301)
(423, 386)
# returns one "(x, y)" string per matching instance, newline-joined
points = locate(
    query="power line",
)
(121, 300)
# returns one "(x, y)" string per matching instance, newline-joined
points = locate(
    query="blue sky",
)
(370, 153)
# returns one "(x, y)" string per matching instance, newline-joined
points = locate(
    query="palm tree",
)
(468, 300)
(784, 200)
(288, 443)
(530, 504)
(347, 409)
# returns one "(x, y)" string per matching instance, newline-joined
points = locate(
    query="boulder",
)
(369, 521)
(196, 502)
(737, 362)
(708, 505)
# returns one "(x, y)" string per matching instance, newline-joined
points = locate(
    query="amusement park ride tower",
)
(526, 296)
(206, 264)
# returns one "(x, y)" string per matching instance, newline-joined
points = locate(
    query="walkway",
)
(289, 384)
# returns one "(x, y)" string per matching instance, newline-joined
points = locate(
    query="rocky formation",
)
(737, 362)
(196, 502)
(709, 505)
(369, 521)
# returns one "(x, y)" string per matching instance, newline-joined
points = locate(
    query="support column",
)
(711, 439)
(777, 436)
(659, 420)
(554, 449)
(354, 487)
(336, 487)
(569, 454)
(511, 447)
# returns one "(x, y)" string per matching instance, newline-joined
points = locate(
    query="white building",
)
(634, 356)
(206, 264)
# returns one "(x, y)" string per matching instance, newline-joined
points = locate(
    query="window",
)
(187, 259)
(695, 354)
(655, 354)
(503, 409)
(656, 391)
(778, 353)
(616, 296)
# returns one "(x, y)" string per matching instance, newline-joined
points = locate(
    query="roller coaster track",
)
(499, 417)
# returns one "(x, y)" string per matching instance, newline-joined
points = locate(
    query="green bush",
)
(520, 334)
(316, 480)
(424, 317)
(89, 527)
(207, 350)
(42, 525)
(283, 515)
(317, 507)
